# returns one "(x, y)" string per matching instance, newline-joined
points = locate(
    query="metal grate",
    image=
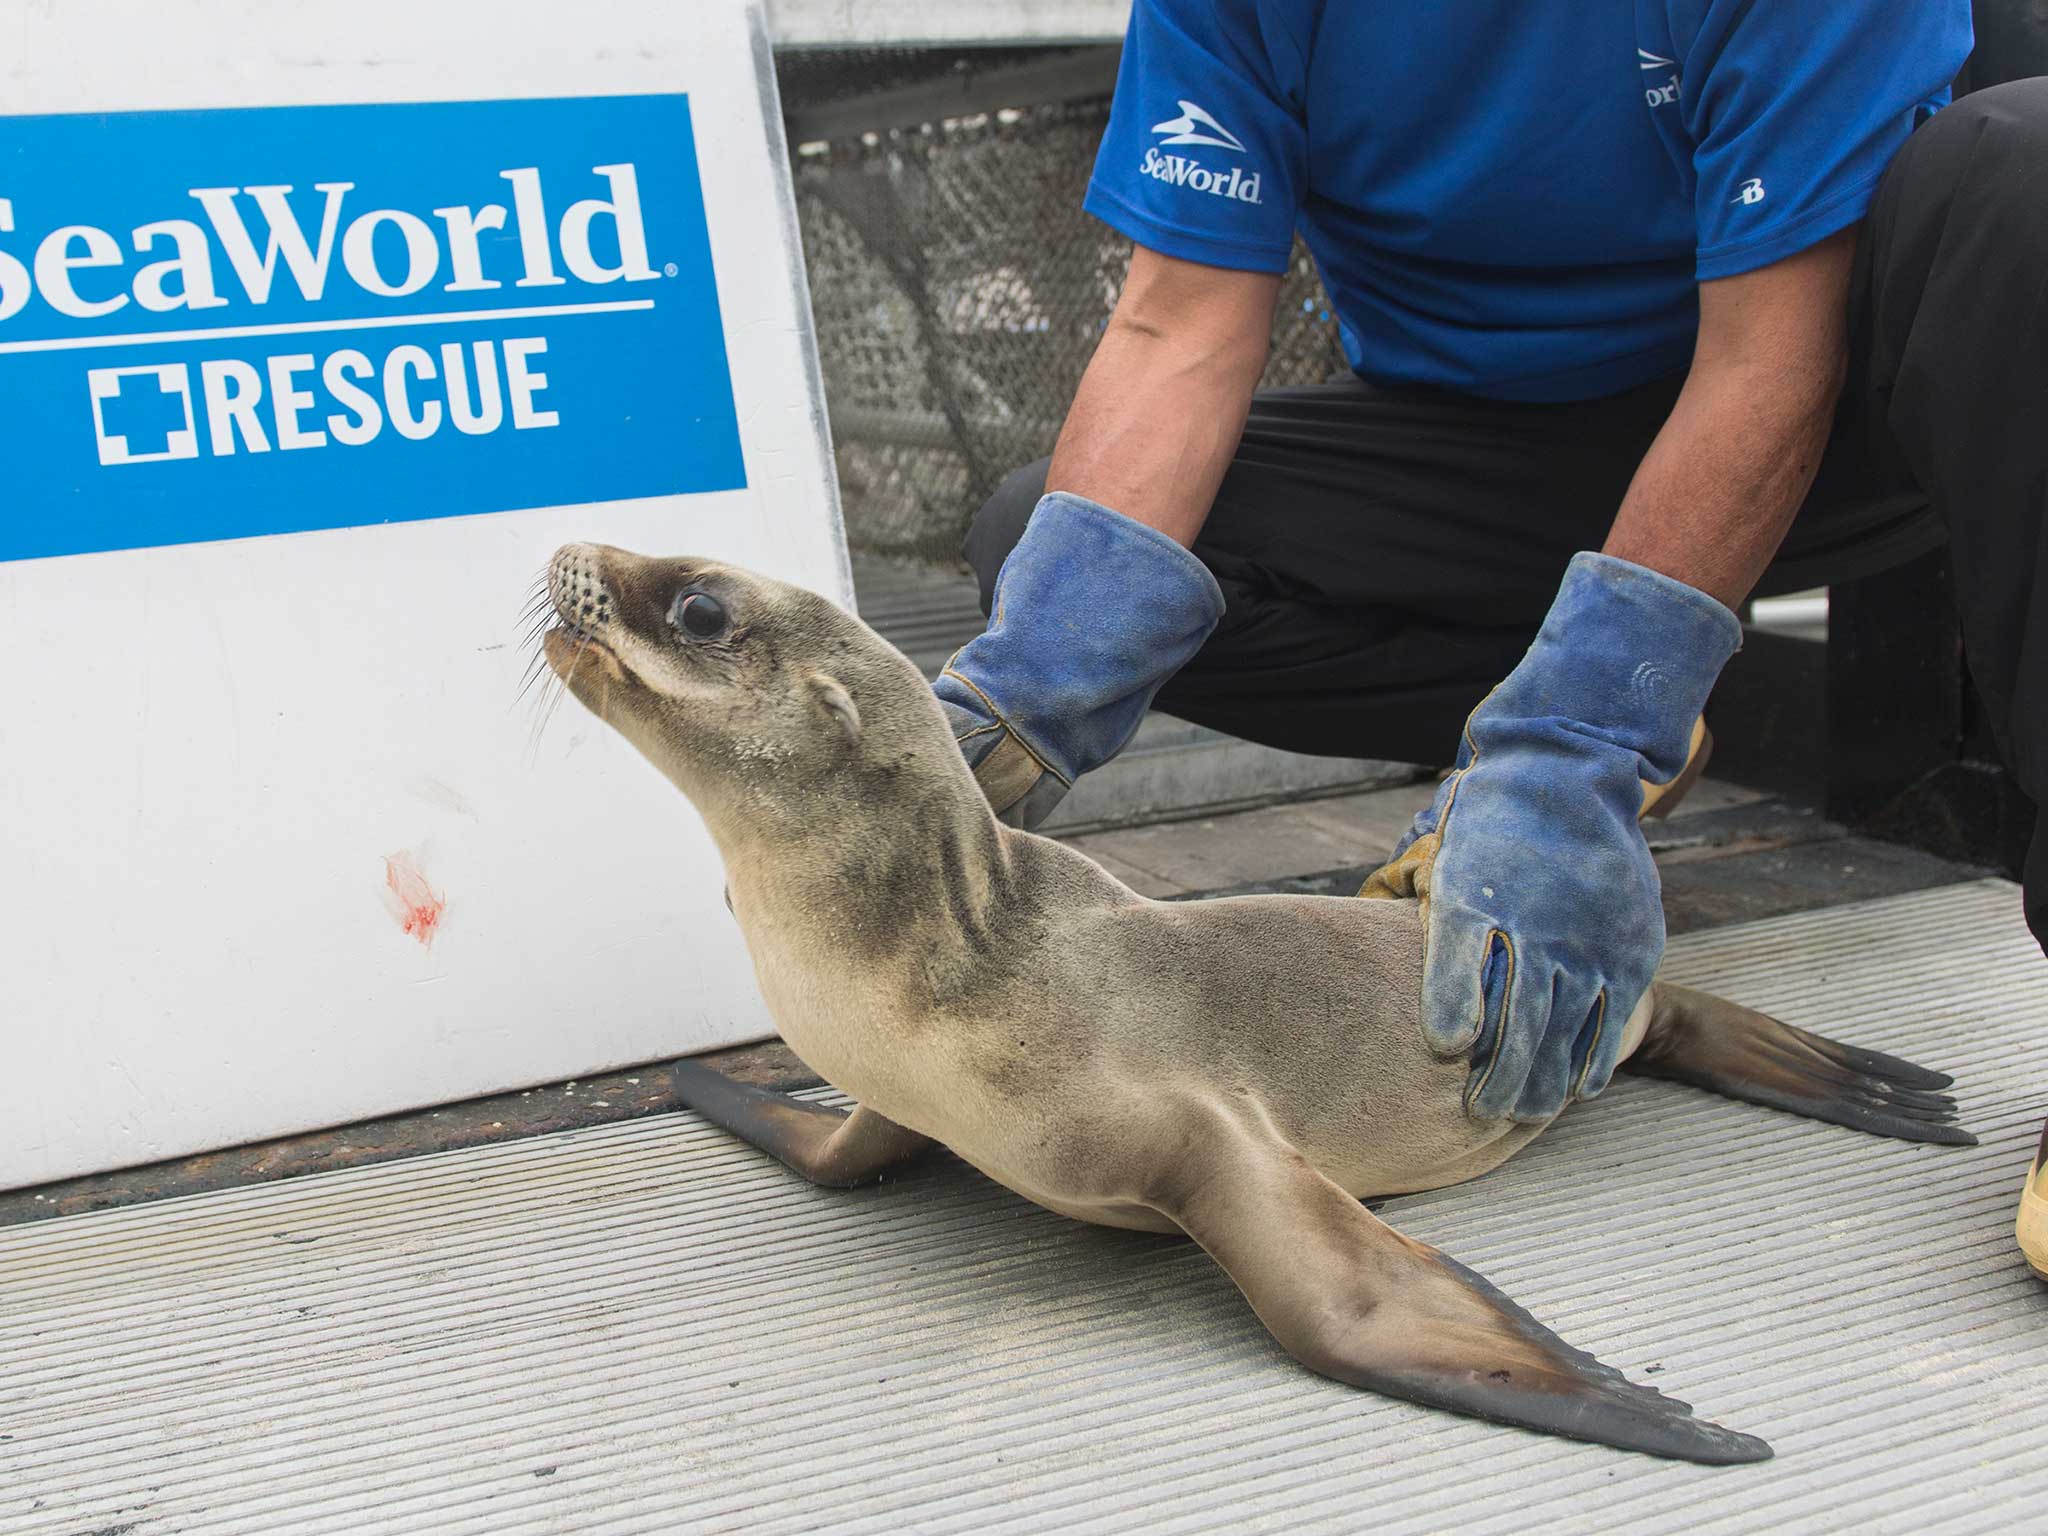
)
(650, 1328)
(959, 290)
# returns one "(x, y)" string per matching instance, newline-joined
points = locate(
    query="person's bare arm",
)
(1717, 491)
(1161, 407)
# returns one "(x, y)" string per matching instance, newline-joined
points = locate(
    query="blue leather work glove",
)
(1093, 612)
(1541, 915)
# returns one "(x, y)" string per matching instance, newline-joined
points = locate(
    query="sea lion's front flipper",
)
(1353, 1299)
(827, 1146)
(1712, 1043)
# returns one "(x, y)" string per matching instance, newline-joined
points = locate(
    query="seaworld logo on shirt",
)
(1195, 126)
(1658, 95)
(1182, 172)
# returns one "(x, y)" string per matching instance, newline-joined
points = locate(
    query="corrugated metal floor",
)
(650, 1328)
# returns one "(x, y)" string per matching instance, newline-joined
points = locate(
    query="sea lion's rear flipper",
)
(1712, 1043)
(1353, 1299)
(826, 1145)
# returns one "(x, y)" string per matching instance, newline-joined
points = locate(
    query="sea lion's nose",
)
(576, 583)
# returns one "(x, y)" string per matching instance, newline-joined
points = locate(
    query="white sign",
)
(321, 326)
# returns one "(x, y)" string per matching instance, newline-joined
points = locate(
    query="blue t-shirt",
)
(1514, 197)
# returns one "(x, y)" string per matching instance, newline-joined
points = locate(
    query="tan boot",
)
(2033, 1223)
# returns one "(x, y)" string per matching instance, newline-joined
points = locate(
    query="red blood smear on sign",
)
(417, 905)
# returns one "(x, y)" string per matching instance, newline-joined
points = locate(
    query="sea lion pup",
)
(1242, 1070)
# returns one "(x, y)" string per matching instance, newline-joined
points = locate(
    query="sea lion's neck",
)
(896, 854)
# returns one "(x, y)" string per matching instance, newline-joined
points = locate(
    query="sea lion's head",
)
(752, 695)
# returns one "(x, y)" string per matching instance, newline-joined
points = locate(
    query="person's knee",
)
(1970, 170)
(999, 524)
(1999, 131)
(2013, 104)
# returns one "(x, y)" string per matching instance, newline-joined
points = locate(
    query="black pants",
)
(1386, 554)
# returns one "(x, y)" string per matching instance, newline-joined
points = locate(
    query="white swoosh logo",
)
(1194, 126)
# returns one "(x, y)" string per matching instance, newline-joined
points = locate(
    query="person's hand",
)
(1541, 913)
(1093, 612)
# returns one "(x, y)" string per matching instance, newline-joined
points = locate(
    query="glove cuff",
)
(1093, 612)
(1629, 655)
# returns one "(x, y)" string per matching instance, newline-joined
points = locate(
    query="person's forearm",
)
(1719, 487)
(1162, 405)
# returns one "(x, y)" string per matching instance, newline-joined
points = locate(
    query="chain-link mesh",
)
(958, 291)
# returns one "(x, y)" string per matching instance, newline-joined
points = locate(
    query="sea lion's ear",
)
(837, 703)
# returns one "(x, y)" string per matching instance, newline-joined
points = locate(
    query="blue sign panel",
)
(224, 323)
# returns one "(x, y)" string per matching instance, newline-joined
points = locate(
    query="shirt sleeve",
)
(1205, 157)
(1795, 110)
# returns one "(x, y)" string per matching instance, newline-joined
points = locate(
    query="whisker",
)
(582, 645)
(541, 710)
(541, 679)
(534, 669)
(575, 662)
(531, 624)
(554, 697)
(550, 699)
(542, 607)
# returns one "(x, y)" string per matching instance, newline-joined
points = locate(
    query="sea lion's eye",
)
(698, 615)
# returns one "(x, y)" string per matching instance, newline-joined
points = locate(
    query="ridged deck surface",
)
(649, 1328)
